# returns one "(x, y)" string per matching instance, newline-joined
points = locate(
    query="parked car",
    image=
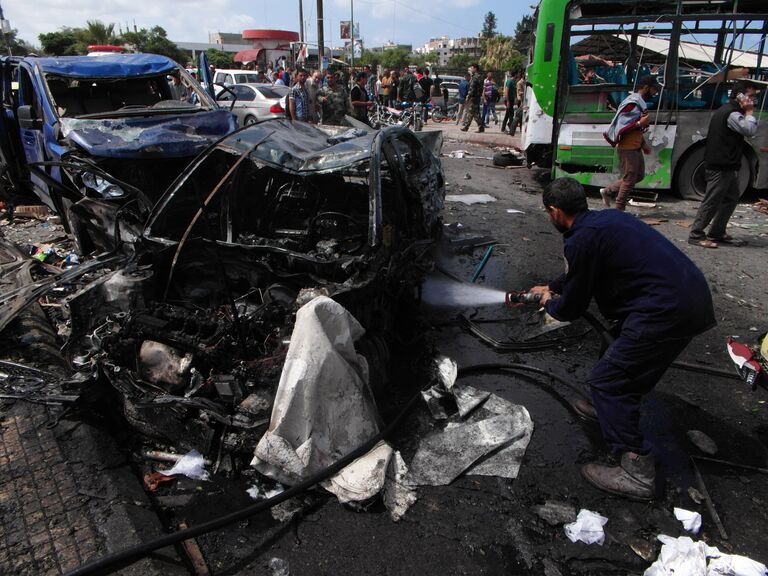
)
(90, 134)
(228, 77)
(254, 102)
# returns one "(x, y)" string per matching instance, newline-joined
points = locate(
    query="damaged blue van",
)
(99, 138)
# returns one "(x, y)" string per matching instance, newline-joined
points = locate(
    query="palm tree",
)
(96, 32)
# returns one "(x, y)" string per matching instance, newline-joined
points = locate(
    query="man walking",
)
(474, 95)
(359, 97)
(730, 124)
(462, 97)
(626, 134)
(509, 100)
(658, 301)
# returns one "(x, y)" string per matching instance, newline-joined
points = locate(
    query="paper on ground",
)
(191, 465)
(469, 199)
(398, 496)
(691, 520)
(684, 557)
(324, 407)
(587, 528)
(514, 211)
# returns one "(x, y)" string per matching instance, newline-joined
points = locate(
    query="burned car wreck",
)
(190, 323)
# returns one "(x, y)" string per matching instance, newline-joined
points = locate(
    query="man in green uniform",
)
(474, 95)
(334, 100)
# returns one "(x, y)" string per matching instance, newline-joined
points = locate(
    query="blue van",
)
(89, 135)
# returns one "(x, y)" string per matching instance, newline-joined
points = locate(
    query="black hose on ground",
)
(123, 558)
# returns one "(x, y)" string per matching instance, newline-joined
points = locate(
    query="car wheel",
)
(691, 180)
(249, 120)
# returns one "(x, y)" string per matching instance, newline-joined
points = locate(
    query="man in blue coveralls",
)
(657, 299)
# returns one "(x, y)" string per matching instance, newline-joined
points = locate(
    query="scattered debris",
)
(260, 492)
(702, 441)
(470, 199)
(587, 528)
(642, 548)
(654, 221)
(554, 513)
(691, 520)
(732, 464)
(154, 480)
(486, 435)
(39, 212)
(467, 176)
(683, 223)
(505, 159)
(695, 495)
(708, 499)
(761, 206)
(514, 211)
(683, 556)
(459, 154)
(398, 496)
(324, 407)
(191, 465)
(279, 567)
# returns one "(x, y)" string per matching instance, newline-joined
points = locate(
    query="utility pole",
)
(352, 32)
(320, 34)
(301, 21)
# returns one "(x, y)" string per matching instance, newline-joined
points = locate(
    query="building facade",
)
(445, 47)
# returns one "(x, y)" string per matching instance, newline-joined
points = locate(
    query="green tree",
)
(524, 33)
(63, 42)
(370, 58)
(394, 58)
(489, 26)
(17, 46)
(461, 61)
(96, 32)
(501, 55)
(422, 60)
(219, 58)
(154, 41)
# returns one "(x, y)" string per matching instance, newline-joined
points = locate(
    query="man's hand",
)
(645, 119)
(546, 293)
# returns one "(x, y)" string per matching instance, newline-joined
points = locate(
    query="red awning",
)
(249, 55)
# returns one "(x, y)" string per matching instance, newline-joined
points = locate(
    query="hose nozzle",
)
(516, 298)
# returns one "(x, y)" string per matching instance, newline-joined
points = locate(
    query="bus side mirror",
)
(27, 119)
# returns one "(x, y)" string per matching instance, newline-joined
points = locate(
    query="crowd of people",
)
(326, 97)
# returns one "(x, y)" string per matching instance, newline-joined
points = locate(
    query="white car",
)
(254, 102)
(224, 76)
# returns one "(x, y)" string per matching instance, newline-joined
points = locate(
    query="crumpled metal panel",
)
(149, 137)
(296, 147)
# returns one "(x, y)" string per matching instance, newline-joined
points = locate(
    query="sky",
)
(380, 21)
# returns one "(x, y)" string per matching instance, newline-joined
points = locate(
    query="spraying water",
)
(442, 292)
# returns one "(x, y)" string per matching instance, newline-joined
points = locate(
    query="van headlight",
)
(101, 186)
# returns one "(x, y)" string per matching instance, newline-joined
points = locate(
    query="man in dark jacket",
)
(657, 299)
(730, 124)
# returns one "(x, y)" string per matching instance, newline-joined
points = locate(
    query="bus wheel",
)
(691, 180)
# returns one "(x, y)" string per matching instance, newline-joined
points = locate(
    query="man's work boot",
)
(464, 128)
(481, 129)
(634, 479)
(585, 410)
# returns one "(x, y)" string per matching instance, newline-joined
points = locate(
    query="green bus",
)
(589, 54)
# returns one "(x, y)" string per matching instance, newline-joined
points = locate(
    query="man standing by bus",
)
(626, 133)
(657, 301)
(730, 124)
(474, 95)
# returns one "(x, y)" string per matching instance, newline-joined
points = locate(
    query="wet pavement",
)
(477, 525)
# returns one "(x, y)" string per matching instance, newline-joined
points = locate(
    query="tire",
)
(249, 120)
(691, 183)
(438, 116)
